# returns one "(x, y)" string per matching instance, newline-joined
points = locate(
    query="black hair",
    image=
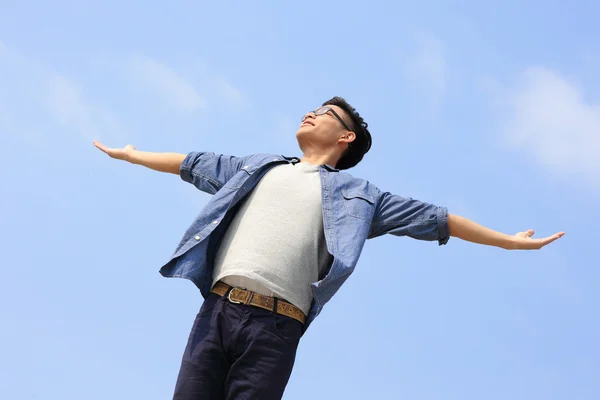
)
(361, 144)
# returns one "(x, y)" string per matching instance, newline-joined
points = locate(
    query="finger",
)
(101, 147)
(551, 239)
(555, 236)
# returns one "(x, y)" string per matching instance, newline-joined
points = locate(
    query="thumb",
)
(526, 234)
(530, 232)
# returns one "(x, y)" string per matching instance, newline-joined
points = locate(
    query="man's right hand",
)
(124, 153)
(163, 162)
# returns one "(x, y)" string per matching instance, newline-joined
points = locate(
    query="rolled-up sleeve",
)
(401, 216)
(209, 171)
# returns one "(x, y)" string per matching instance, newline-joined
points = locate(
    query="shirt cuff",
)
(442, 227)
(185, 170)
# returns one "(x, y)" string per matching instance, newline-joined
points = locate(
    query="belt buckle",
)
(230, 299)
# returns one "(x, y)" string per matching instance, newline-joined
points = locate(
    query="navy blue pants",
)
(237, 352)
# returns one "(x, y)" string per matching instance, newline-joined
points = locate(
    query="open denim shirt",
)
(354, 210)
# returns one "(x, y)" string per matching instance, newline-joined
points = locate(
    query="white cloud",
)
(65, 100)
(549, 117)
(427, 68)
(34, 98)
(178, 93)
(228, 92)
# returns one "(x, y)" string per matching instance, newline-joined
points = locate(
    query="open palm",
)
(119, 154)
(524, 240)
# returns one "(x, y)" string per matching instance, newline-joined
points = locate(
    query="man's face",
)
(324, 130)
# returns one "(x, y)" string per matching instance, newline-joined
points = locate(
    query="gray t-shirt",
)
(275, 244)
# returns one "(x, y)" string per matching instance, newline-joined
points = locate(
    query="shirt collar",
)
(295, 160)
(330, 168)
(291, 159)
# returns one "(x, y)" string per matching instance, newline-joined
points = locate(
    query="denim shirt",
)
(354, 210)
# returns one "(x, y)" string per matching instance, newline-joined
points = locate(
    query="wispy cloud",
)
(228, 92)
(547, 116)
(68, 106)
(177, 92)
(427, 67)
(35, 98)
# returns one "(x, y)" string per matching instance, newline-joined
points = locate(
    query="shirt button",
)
(216, 221)
(277, 159)
(245, 167)
(197, 237)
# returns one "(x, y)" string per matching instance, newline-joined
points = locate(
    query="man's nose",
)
(310, 114)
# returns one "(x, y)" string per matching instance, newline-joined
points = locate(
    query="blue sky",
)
(490, 110)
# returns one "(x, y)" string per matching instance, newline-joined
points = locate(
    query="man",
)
(276, 242)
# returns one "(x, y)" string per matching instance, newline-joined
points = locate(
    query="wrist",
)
(511, 243)
(132, 157)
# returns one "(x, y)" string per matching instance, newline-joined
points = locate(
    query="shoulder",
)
(263, 158)
(349, 184)
(351, 180)
(257, 160)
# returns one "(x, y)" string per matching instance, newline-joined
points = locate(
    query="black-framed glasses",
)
(324, 110)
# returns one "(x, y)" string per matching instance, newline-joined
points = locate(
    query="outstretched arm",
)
(207, 171)
(162, 162)
(404, 216)
(465, 229)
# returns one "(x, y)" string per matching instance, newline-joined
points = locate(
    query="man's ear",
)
(348, 137)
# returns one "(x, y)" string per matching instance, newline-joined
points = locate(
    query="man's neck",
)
(319, 159)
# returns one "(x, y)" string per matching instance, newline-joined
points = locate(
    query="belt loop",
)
(275, 305)
(226, 295)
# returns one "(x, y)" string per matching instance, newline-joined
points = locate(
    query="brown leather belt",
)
(241, 296)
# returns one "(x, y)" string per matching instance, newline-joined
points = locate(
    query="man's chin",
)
(304, 128)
